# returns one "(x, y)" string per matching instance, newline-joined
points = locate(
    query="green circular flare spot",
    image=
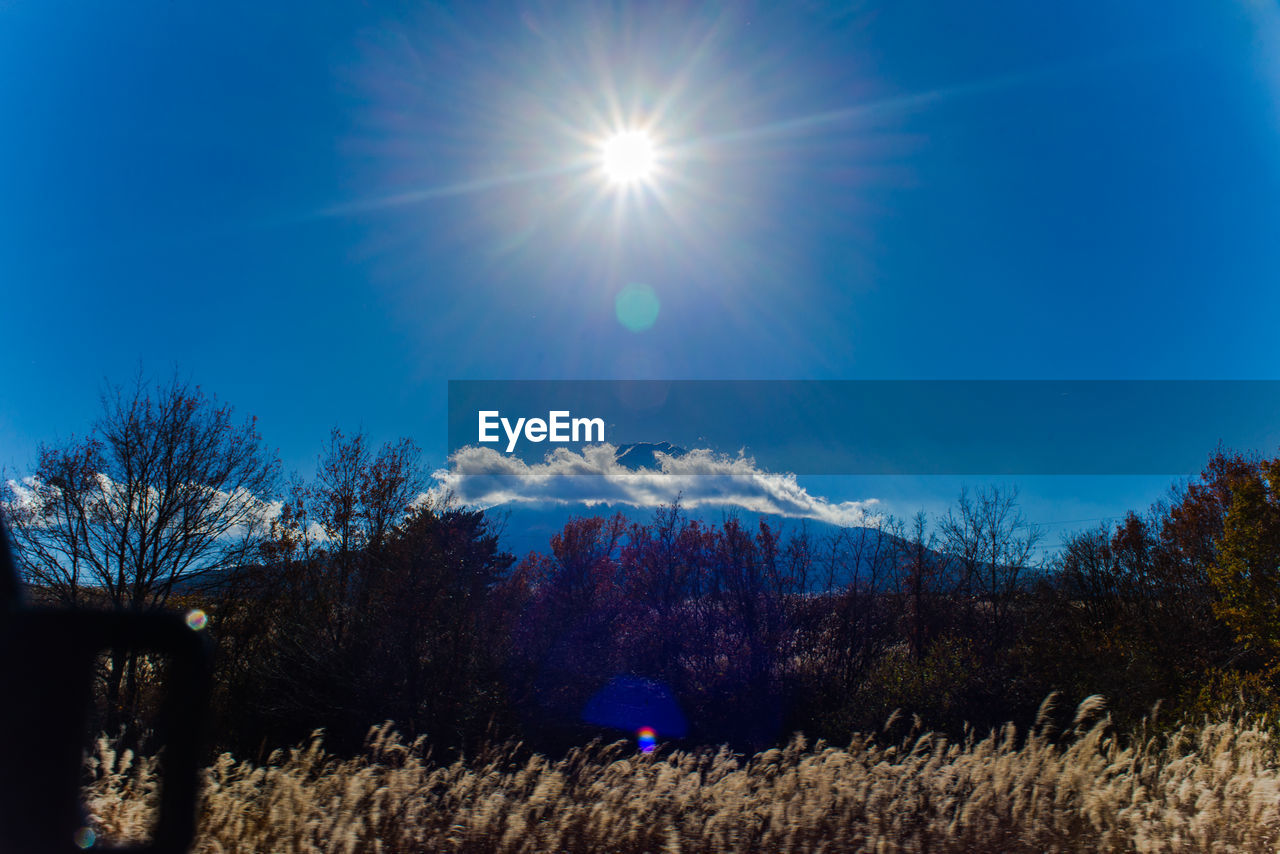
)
(637, 307)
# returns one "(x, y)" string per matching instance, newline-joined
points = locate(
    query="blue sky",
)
(324, 213)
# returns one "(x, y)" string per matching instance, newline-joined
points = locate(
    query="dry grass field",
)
(1208, 787)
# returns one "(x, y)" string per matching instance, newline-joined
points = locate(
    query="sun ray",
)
(440, 191)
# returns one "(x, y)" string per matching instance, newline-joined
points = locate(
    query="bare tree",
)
(991, 544)
(921, 570)
(297, 632)
(166, 488)
(358, 500)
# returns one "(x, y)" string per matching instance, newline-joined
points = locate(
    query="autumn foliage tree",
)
(1140, 616)
(291, 622)
(573, 599)
(1245, 569)
(371, 600)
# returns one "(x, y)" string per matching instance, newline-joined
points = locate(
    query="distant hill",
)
(528, 528)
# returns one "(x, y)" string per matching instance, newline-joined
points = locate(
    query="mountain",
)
(643, 455)
(529, 527)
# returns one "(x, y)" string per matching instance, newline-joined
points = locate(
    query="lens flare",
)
(84, 838)
(197, 619)
(636, 307)
(647, 739)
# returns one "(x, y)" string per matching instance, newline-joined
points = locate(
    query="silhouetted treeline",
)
(427, 623)
(358, 599)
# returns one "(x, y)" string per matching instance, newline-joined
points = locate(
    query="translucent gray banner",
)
(926, 427)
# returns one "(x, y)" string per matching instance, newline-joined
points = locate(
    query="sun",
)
(628, 157)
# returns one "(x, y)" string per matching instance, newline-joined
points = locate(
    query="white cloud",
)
(248, 512)
(484, 477)
(24, 493)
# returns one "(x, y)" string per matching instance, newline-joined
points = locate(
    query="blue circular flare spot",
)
(634, 704)
(84, 838)
(637, 307)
